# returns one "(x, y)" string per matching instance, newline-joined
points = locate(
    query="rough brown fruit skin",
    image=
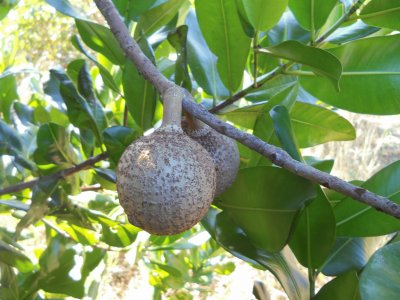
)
(224, 152)
(165, 181)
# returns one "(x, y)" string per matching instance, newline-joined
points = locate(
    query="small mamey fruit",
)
(166, 181)
(222, 149)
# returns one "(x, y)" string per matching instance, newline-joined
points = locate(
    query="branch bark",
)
(58, 175)
(275, 154)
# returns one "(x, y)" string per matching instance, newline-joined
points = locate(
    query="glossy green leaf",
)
(53, 146)
(79, 234)
(343, 287)
(10, 141)
(322, 165)
(320, 61)
(78, 110)
(157, 17)
(350, 33)
(264, 201)
(105, 74)
(66, 8)
(282, 264)
(14, 258)
(39, 206)
(314, 235)
(24, 113)
(9, 289)
(314, 124)
(284, 132)
(350, 254)
(116, 139)
(85, 88)
(220, 24)
(114, 233)
(371, 75)
(8, 94)
(382, 13)
(202, 62)
(101, 39)
(288, 29)
(140, 95)
(177, 39)
(354, 218)
(131, 10)
(381, 278)
(311, 14)
(264, 14)
(57, 262)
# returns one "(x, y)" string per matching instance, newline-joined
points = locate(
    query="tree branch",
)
(58, 175)
(275, 154)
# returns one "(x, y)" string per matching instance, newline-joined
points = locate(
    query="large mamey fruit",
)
(166, 181)
(222, 149)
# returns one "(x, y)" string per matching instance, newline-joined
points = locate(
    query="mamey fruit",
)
(166, 181)
(222, 149)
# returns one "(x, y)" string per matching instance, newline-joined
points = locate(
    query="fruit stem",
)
(172, 112)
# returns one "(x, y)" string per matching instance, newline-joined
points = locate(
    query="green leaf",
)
(10, 142)
(371, 75)
(202, 62)
(14, 258)
(264, 14)
(79, 111)
(57, 263)
(342, 287)
(314, 124)
(8, 93)
(288, 29)
(382, 13)
(80, 235)
(101, 39)
(350, 254)
(140, 95)
(282, 265)
(320, 61)
(350, 33)
(264, 201)
(314, 235)
(66, 8)
(284, 132)
(311, 14)
(105, 74)
(381, 278)
(24, 113)
(220, 24)
(116, 139)
(114, 233)
(157, 17)
(177, 39)
(40, 206)
(85, 88)
(131, 10)
(53, 146)
(354, 218)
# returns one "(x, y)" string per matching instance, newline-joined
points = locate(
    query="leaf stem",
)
(255, 53)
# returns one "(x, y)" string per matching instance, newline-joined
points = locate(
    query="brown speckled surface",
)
(224, 152)
(165, 181)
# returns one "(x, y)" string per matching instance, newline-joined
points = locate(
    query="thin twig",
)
(57, 175)
(278, 156)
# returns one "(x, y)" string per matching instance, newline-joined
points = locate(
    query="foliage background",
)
(82, 228)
